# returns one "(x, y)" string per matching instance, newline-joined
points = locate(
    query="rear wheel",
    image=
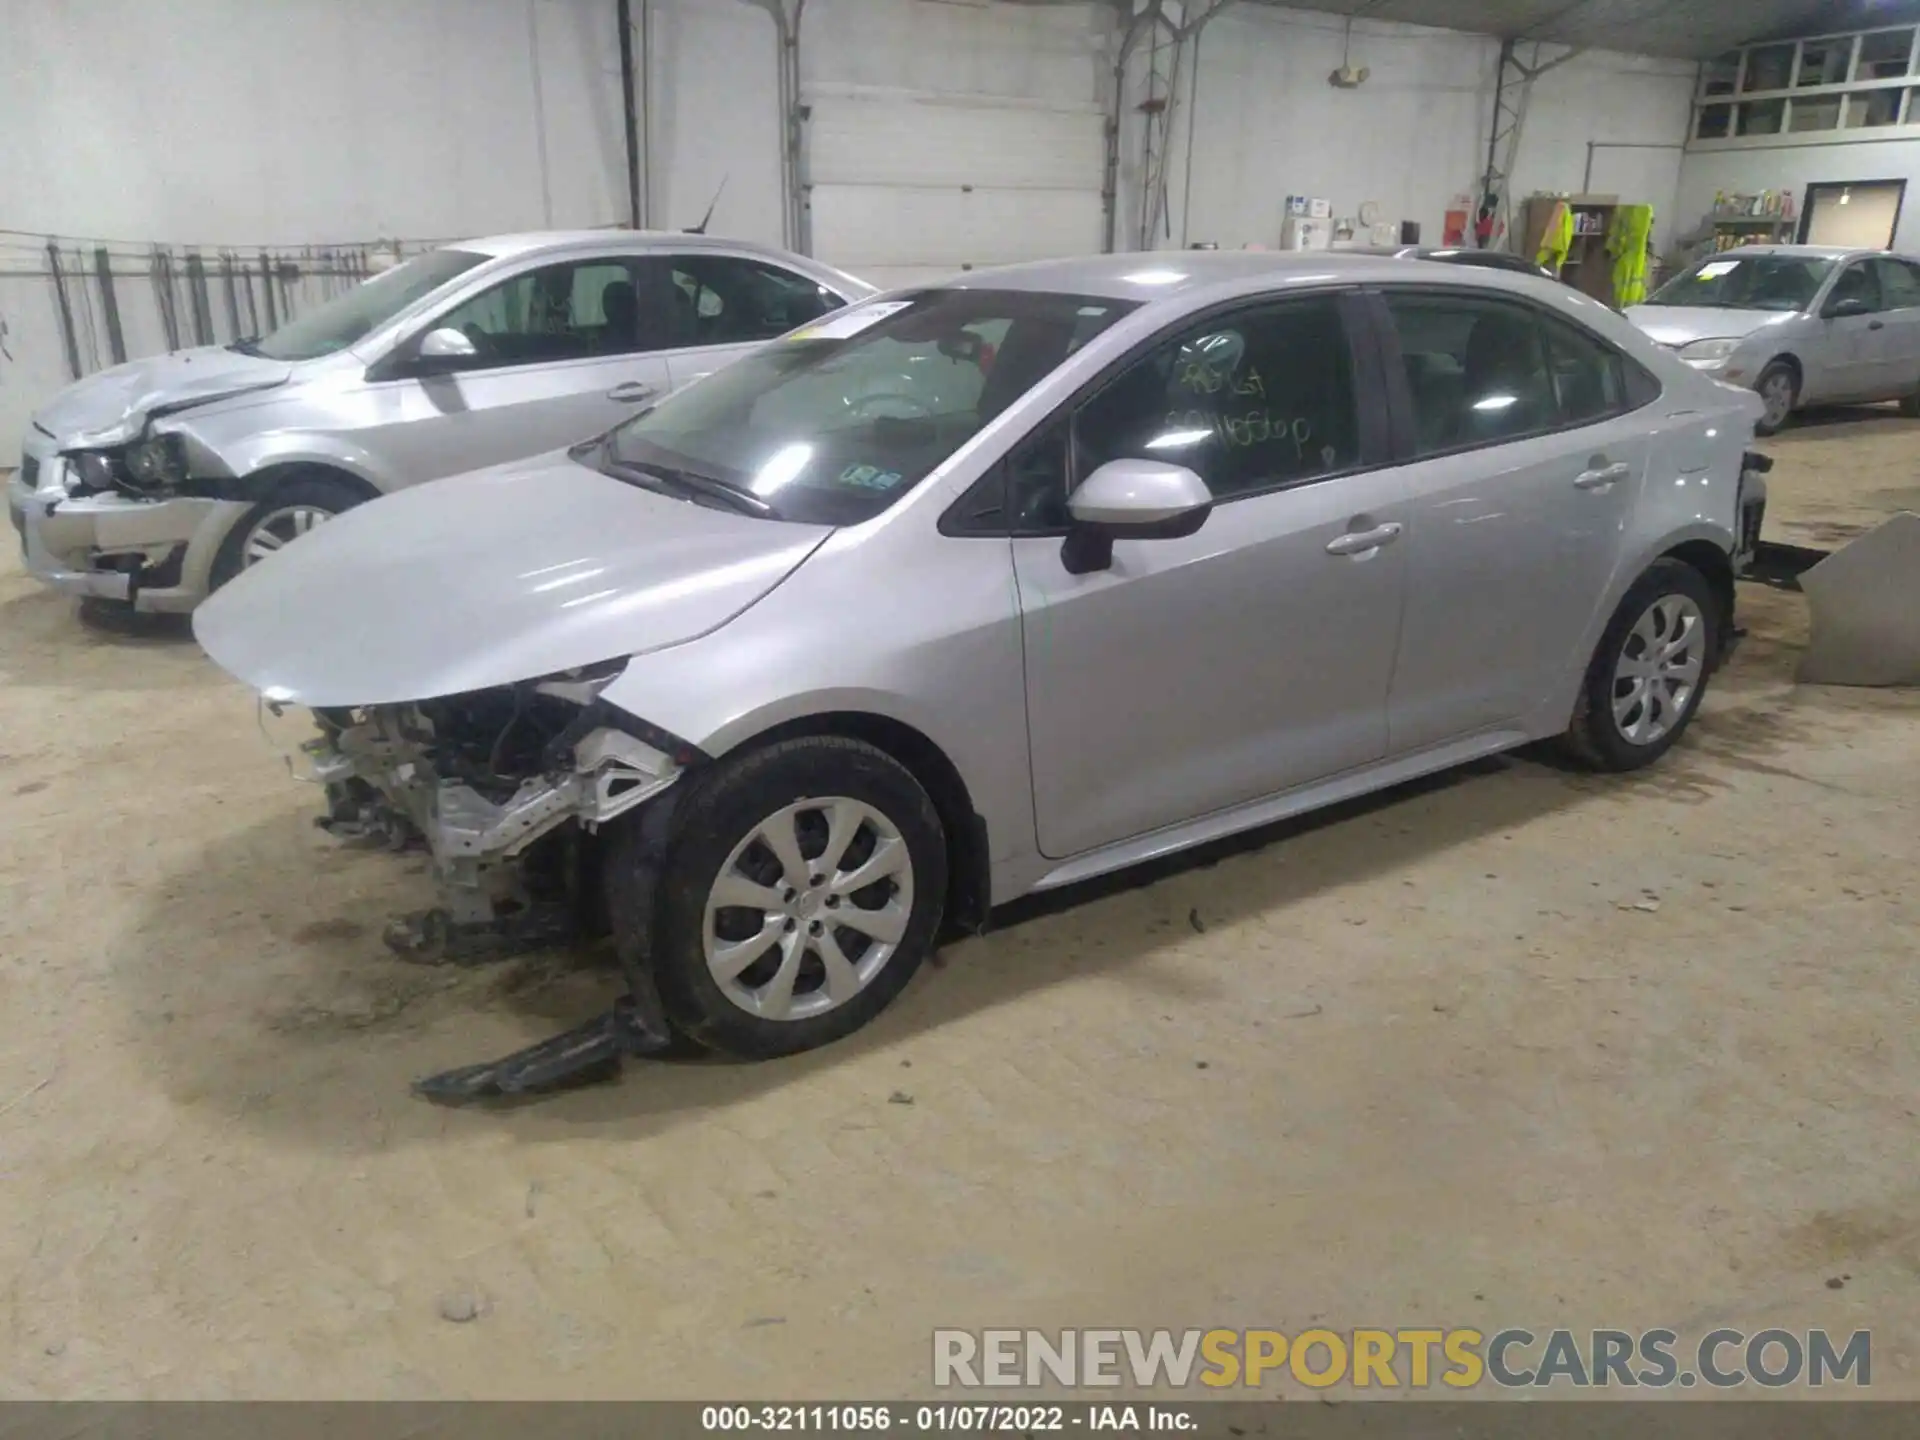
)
(1649, 672)
(1779, 390)
(292, 510)
(803, 887)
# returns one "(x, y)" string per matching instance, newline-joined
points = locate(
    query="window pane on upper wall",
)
(1719, 75)
(1870, 108)
(1769, 67)
(1821, 114)
(1884, 54)
(1825, 62)
(1716, 122)
(1762, 117)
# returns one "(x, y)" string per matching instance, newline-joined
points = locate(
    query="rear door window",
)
(1589, 379)
(728, 300)
(1899, 284)
(1858, 281)
(1481, 369)
(1476, 370)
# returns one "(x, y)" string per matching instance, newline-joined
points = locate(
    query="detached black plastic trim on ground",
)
(589, 1052)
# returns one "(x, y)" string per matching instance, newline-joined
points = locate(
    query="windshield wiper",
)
(692, 481)
(246, 345)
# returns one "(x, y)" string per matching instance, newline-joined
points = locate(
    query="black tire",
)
(724, 806)
(1775, 371)
(1595, 738)
(321, 492)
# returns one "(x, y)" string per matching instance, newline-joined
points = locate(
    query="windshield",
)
(839, 419)
(363, 309)
(1753, 282)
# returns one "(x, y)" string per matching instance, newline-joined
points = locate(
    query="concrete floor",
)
(1513, 1047)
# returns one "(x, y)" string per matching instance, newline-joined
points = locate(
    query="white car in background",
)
(157, 481)
(1800, 324)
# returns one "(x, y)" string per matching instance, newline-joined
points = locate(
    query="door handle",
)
(1605, 475)
(633, 391)
(1360, 542)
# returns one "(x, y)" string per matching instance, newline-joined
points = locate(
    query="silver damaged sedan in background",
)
(1799, 324)
(155, 482)
(986, 588)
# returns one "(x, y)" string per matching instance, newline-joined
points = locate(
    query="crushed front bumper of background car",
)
(108, 546)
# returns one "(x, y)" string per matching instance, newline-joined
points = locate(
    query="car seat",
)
(621, 306)
(1503, 359)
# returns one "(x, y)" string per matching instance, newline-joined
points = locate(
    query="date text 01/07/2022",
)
(946, 1417)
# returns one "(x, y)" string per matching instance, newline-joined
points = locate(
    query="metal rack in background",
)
(194, 295)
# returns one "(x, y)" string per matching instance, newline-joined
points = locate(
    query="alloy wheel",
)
(1660, 669)
(1777, 395)
(808, 908)
(278, 528)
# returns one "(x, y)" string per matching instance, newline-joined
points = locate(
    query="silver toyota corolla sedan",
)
(159, 480)
(985, 588)
(1800, 324)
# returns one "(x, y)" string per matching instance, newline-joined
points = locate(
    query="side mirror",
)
(1847, 308)
(1131, 500)
(439, 352)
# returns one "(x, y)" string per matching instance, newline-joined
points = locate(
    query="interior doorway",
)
(1859, 214)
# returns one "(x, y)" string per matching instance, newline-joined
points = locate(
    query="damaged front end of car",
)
(506, 789)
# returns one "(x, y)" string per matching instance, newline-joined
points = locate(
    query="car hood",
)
(1683, 324)
(507, 574)
(113, 405)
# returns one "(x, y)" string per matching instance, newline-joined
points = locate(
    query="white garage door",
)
(910, 186)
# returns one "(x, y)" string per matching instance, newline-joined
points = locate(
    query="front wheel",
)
(1779, 390)
(1649, 672)
(291, 511)
(802, 888)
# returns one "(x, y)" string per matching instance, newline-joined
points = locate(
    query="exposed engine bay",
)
(504, 788)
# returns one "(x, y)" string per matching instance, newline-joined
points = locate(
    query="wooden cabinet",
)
(1589, 269)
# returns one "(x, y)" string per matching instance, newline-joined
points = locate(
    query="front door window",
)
(570, 311)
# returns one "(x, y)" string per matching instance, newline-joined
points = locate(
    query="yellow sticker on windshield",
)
(849, 323)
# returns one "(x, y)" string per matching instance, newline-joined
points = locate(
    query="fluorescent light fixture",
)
(785, 463)
(1155, 277)
(1496, 402)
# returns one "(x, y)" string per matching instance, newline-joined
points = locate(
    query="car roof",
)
(1806, 252)
(503, 247)
(1187, 274)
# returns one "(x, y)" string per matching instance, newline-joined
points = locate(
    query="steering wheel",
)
(865, 408)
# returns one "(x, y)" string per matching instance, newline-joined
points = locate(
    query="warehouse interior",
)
(1512, 1043)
